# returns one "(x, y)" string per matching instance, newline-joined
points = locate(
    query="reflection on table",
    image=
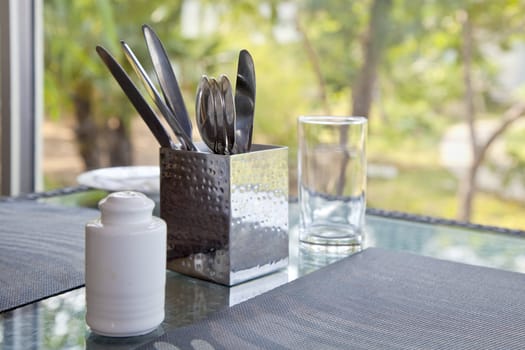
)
(58, 322)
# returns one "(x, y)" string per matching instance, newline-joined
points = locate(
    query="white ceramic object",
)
(143, 179)
(125, 267)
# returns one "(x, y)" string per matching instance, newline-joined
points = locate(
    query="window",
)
(310, 59)
(20, 30)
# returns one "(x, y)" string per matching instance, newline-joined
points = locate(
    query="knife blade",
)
(136, 98)
(244, 102)
(167, 79)
(154, 94)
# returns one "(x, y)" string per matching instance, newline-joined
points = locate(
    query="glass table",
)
(58, 322)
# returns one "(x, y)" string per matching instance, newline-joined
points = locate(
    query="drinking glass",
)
(332, 179)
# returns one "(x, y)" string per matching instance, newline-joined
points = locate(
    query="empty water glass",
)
(332, 179)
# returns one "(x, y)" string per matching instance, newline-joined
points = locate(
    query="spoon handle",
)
(203, 104)
(218, 114)
(136, 98)
(228, 112)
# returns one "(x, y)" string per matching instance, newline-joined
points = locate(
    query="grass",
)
(426, 191)
(423, 186)
(491, 210)
(432, 191)
(84, 199)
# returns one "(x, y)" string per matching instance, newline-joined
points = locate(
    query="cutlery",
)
(215, 114)
(244, 102)
(136, 98)
(205, 125)
(228, 106)
(154, 94)
(167, 78)
(218, 114)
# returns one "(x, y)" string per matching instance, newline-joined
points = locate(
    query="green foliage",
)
(72, 31)
(516, 155)
(334, 27)
(437, 199)
(419, 92)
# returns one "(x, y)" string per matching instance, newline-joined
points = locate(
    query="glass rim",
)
(332, 119)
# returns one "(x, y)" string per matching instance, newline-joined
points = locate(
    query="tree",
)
(330, 33)
(77, 82)
(469, 43)
(373, 43)
(427, 45)
(434, 43)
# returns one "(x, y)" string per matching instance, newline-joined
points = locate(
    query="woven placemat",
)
(376, 299)
(41, 250)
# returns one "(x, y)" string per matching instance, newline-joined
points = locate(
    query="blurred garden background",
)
(441, 81)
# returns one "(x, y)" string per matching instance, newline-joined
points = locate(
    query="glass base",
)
(331, 235)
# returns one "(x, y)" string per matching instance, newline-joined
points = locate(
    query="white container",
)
(125, 267)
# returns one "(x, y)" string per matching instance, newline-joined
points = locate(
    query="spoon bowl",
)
(229, 116)
(215, 114)
(206, 126)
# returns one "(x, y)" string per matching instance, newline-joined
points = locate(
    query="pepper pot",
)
(125, 267)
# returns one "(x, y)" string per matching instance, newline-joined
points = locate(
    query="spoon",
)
(205, 125)
(217, 113)
(228, 112)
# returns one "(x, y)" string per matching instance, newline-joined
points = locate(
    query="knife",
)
(167, 80)
(154, 94)
(136, 98)
(244, 102)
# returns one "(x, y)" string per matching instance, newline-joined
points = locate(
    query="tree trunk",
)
(316, 65)
(363, 89)
(86, 132)
(514, 113)
(99, 146)
(119, 148)
(467, 187)
(373, 43)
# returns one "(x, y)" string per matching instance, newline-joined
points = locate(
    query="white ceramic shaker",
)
(125, 267)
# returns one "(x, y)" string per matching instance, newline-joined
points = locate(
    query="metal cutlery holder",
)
(227, 215)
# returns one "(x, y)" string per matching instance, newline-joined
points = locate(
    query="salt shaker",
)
(125, 267)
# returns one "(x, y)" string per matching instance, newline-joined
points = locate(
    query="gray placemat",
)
(376, 299)
(41, 250)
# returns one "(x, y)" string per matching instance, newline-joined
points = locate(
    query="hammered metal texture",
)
(227, 216)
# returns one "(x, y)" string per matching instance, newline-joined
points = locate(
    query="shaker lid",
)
(130, 206)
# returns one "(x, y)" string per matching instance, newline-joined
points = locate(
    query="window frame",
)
(21, 96)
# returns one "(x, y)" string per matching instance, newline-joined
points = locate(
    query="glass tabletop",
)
(58, 322)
